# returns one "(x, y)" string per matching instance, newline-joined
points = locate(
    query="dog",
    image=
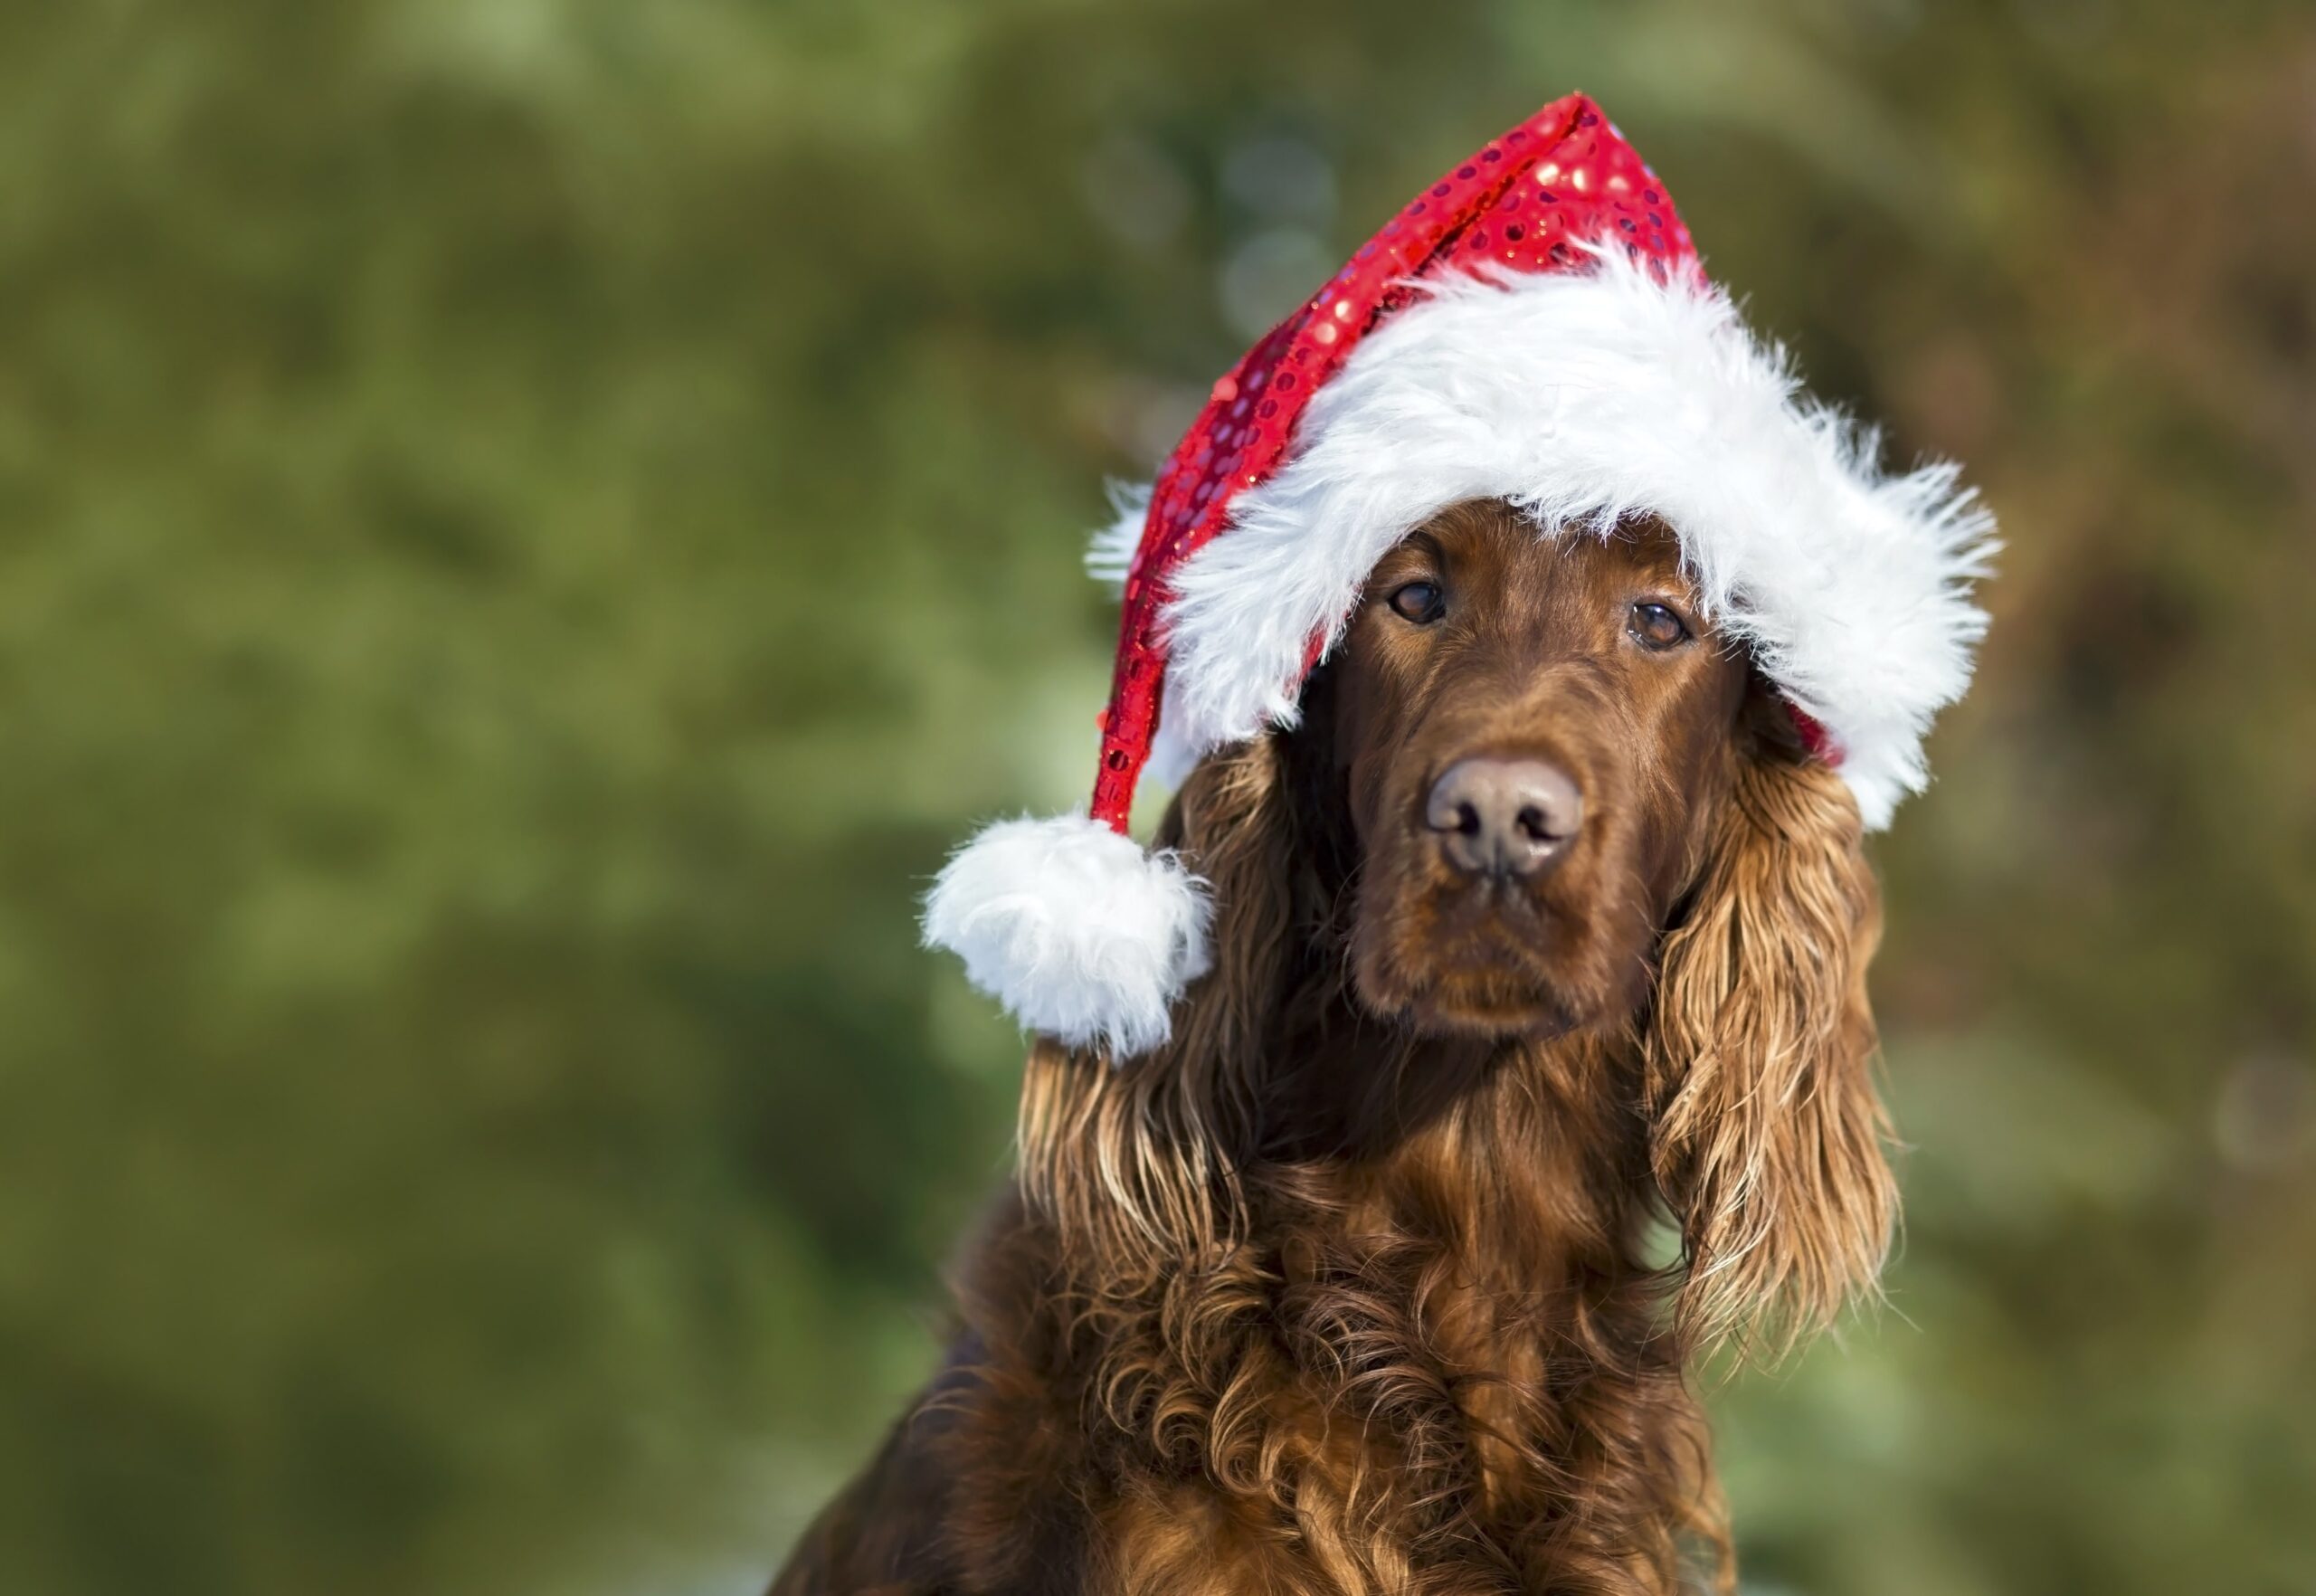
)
(1533, 1064)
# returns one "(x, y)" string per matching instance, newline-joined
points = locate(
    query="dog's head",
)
(1533, 793)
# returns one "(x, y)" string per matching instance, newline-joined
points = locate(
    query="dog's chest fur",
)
(1433, 1373)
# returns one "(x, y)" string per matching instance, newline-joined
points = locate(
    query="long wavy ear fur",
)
(1767, 1132)
(1137, 1163)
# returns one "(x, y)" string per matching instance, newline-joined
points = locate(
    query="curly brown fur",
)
(1359, 1286)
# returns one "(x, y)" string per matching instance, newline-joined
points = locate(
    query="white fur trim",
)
(1173, 756)
(1109, 556)
(1583, 397)
(1074, 928)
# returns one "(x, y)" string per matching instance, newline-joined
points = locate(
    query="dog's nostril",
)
(1504, 817)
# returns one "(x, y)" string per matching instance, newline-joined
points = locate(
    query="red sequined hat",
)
(1534, 327)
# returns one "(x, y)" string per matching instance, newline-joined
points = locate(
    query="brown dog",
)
(1538, 928)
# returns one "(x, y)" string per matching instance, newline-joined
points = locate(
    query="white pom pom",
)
(1074, 928)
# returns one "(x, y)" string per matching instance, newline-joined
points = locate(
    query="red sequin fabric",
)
(1520, 201)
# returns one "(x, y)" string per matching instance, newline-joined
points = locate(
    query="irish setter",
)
(1533, 1063)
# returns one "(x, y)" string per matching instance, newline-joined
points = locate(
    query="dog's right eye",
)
(1419, 602)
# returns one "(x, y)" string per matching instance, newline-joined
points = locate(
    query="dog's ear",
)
(1766, 1133)
(1138, 1160)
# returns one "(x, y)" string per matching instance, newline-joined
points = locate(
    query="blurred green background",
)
(526, 526)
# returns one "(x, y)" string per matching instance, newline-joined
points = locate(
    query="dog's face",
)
(1534, 734)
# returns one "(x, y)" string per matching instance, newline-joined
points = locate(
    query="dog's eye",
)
(1419, 602)
(1656, 626)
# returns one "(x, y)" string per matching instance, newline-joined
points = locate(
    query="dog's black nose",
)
(1504, 817)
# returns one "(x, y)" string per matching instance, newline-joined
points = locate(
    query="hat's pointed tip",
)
(1077, 931)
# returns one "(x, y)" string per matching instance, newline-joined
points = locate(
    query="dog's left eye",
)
(1656, 626)
(1418, 601)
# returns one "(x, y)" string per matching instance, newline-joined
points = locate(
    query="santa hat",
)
(1534, 327)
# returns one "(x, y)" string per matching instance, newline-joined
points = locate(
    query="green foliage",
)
(526, 526)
